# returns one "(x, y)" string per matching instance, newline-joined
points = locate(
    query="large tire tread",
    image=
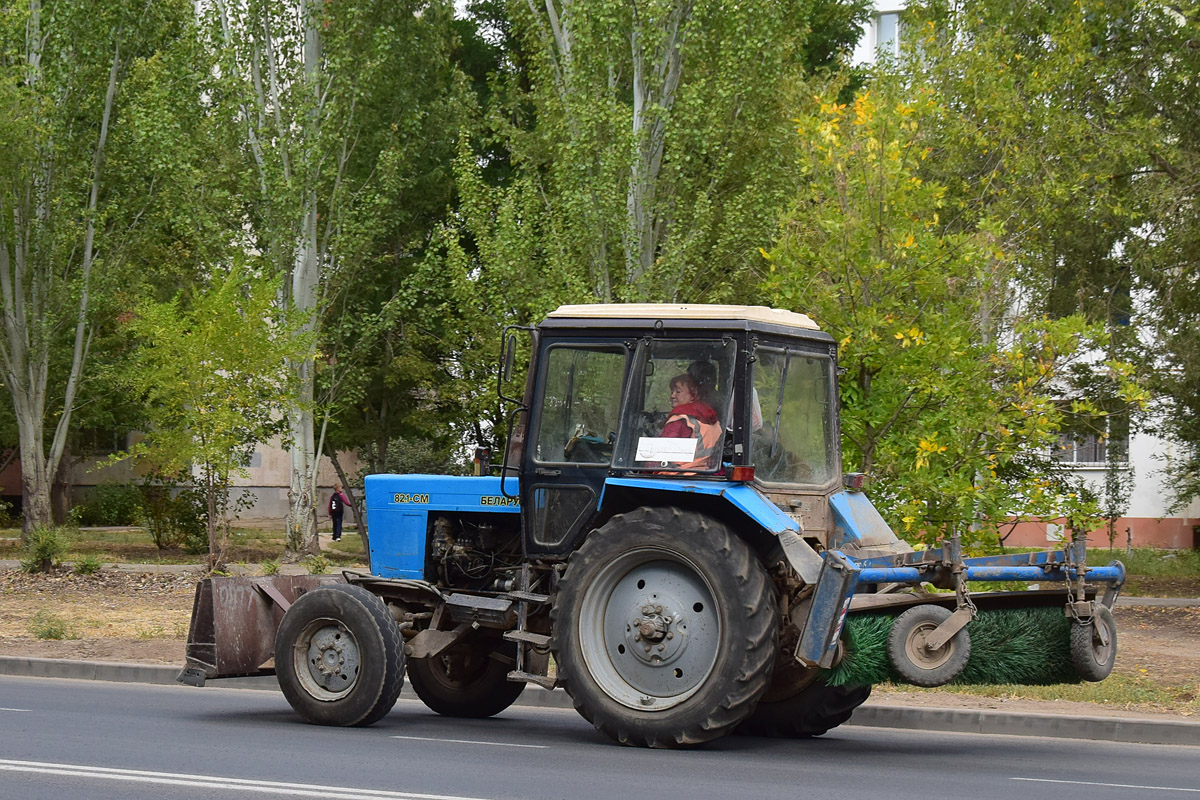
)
(379, 683)
(813, 711)
(701, 718)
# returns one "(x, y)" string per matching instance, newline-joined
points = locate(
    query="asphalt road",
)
(66, 739)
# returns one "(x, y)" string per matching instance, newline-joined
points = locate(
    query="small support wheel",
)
(1094, 645)
(913, 660)
(468, 680)
(339, 656)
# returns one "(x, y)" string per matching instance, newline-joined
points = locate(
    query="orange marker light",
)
(742, 474)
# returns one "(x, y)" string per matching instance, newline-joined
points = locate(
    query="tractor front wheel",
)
(339, 656)
(665, 628)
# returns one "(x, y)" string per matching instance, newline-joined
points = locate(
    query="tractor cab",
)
(633, 399)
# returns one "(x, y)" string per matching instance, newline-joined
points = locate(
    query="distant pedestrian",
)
(337, 507)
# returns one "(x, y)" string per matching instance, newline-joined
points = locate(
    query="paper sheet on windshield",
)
(656, 448)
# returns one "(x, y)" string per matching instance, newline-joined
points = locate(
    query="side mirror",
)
(510, 352)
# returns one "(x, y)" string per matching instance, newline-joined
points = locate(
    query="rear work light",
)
(742, 474)
(854, 481)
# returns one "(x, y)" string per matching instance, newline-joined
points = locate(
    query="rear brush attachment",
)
(1030, 646)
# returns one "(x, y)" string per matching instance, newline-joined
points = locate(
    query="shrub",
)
(6, 518)
(43, 550)
(191, 520)
(87, 565)
(158, 516)
(316, 565)
(111, 504)
(46, 625)
(175, 518)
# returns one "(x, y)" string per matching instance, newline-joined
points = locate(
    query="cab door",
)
(572, 429)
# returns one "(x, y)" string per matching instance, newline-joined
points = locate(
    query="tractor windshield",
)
(793, 431)
(679, 406)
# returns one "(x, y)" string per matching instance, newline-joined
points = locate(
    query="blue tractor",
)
(670, 539)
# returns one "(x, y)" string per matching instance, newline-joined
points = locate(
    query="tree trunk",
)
(656, 78)
(216, 546)
(302, 517)
(304, 285)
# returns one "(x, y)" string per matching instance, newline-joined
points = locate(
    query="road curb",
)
(1094, 728)
(945, 720)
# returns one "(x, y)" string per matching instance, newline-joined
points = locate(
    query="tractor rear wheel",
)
(811, 711)
(339, 656)
(665, 628)
(468, 680)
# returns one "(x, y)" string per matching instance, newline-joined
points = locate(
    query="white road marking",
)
(1110, 785)
(218, 782)
(472, 741)
(17, 709)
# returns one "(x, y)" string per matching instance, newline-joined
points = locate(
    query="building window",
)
(99, 441)
(1073, 448)
(887, 33)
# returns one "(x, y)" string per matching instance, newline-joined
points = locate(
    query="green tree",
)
(630, 151)
(335, 107)
(70, 78)
(212, 375)
(648, 141)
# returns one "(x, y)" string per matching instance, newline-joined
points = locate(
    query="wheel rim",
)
(919, 654)
(650, 629)
(1101, 651)
(326, 659)
(460, 669)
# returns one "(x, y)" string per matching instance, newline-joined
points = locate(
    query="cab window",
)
(580, 404)
(791, 418)
(679, 407)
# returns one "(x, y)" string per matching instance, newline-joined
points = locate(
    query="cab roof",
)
(683, 313)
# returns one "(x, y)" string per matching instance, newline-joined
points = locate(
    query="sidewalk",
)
(879, 714)
(177, 569)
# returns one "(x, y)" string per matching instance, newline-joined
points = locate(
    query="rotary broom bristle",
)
(1029, 646)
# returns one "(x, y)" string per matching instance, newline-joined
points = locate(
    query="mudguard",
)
(749, 501)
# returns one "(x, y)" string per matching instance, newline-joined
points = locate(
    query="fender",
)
(857, 521)
(750, 502)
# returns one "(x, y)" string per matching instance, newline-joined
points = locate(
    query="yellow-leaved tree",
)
(952, 395)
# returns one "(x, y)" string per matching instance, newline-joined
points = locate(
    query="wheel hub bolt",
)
(654, 627)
